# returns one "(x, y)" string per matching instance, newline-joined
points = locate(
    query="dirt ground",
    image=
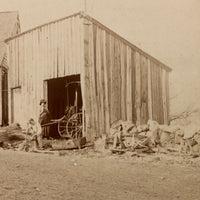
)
(78, 176)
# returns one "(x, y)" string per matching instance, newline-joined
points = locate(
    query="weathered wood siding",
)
(118, 80)
(121, 82)
(50, 51)
(3, 107)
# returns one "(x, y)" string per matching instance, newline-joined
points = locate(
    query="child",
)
(35, 130)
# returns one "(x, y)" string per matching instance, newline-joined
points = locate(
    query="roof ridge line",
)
(88, 17)
(14, 11)
(42, 25)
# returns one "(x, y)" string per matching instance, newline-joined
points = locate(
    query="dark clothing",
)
(44, 118)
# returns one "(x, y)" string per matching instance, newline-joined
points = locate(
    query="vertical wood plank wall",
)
(120, 83)
(50, 51)
(117, 80)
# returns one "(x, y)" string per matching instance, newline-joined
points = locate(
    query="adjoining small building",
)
(9, 26)
(117, 79)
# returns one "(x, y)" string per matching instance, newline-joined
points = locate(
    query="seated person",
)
(35, 130)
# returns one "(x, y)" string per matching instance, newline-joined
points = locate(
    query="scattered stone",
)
(126, 136)
(100, 145)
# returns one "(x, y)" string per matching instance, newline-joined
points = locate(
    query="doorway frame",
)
(12, 102)
(45, 96)
(4, 96)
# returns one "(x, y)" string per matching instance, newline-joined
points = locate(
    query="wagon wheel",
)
(74, 126)
(69, 111)
(62, 126)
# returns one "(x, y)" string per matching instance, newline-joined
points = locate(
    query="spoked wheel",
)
(62, 124)
(62, 127)
(74, 126)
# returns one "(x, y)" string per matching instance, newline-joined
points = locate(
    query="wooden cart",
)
(70, 125)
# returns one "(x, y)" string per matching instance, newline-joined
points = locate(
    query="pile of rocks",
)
(147, 138)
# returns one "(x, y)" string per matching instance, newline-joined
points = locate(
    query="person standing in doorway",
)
(44, 118)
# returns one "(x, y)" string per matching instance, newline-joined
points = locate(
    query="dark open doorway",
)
(62, 93)
(4, 96)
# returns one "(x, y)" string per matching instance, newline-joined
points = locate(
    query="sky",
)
(169, 30)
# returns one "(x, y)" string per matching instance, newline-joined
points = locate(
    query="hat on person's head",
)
(31, 120)
(43, 101)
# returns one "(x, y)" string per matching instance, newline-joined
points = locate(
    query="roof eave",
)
(86, 16)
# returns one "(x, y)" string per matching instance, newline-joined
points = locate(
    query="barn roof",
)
(84, 15)
(7, 24)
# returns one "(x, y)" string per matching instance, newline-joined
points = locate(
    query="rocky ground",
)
(84, 174)
(94, 172)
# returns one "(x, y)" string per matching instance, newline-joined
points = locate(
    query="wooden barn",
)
(9, 26)
(117, 79)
